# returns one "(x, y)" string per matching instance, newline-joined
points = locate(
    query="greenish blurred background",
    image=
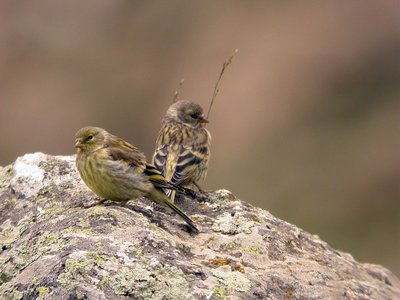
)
(306, 124)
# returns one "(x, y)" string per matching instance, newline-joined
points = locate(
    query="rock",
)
(53, 248)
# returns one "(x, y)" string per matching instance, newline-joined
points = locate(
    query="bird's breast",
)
(109, 179)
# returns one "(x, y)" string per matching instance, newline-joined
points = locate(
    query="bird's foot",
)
(189, 192)
(101, 201)
(201, 190)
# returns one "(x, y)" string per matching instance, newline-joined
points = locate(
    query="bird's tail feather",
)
(161, 198)
(171, 195)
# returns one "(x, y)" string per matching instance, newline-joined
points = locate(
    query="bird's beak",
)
(202, 119)
(79, 144)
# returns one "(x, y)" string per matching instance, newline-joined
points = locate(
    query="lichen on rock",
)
(53, 248)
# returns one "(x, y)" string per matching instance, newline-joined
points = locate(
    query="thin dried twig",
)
(216, 88)
(176, 95)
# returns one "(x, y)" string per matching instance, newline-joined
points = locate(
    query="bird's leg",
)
(96, 203)
(201, 190)
(186, 191)
(189, 192)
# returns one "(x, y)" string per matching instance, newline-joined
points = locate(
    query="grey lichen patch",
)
(219, 197)
(228, 224)
(146, 279)
(233, 281)
(28, 176)
(159, 282)
(40, 175)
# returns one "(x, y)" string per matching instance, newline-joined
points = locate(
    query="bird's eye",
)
(194, 116)
(90, 137)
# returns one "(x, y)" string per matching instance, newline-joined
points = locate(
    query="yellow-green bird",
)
(116, 170)
(183, 145)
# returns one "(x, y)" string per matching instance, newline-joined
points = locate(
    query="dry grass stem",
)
(216, 88)
(176, 95)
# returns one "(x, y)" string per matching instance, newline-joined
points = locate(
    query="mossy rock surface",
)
(53, 248)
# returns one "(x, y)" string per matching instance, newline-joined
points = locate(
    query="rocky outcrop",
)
(53, 248)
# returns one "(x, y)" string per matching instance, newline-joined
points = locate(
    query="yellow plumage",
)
(118, 171)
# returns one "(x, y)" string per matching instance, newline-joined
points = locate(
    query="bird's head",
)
(88, 139)
(186, 112)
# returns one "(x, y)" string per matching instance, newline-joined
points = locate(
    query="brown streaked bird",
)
(183, 146)
(116, 170)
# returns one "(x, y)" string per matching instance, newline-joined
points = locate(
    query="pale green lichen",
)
(233, 281)
(78, 230)
(97, 259)
(100, 246)
(5, 177)
(232, 246)
(43, 291)
(139, 251)
(156, 230)
(253, 250)
(84, 231)
(105, 281)
(54, 210)
(94, 214)
(49, 238)
(9, 235)
(30, 252)
(10, 292)
(74, 270)
(102, 213)
(84, 223)
(220, 292)
(46, 191)
(159, 283)
(10, 201)
(74, 266)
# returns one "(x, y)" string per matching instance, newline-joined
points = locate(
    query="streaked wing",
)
(122, 150)
(187, 164)
(128, 153)
(160, 158)
(156, 177)
(179, 152)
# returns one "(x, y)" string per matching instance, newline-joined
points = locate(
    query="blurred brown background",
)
(306, 124)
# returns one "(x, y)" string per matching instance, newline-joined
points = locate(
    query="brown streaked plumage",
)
(116, 170)
(183, 145)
